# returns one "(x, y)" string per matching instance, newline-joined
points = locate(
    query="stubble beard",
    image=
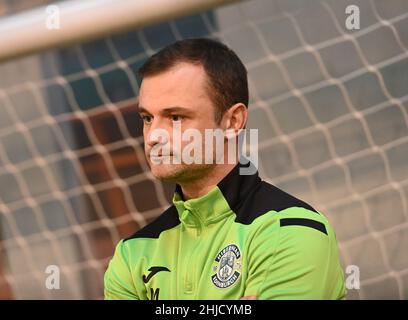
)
(179, 173)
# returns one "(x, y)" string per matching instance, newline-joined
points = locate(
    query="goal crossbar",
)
(28, 32)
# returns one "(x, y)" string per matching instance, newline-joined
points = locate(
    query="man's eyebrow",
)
(167, 111)
(140, 109)
(176, 109)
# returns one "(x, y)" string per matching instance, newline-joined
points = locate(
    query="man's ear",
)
(236, 117)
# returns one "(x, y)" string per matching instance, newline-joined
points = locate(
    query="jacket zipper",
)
(191, 269)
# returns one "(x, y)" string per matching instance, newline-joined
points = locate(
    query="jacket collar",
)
(219, 202)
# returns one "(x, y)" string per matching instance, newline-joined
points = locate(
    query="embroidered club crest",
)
(228, 266)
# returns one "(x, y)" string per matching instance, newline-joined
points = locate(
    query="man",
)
(227, 235)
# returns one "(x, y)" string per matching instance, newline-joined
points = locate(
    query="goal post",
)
(79, 20)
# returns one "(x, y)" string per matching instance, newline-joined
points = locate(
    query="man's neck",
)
(202, 186)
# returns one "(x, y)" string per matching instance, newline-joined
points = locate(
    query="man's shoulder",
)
(269, 208)
(268, 198)
(165, 221)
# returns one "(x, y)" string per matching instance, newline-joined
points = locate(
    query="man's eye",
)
(146, 119)
(176, 117)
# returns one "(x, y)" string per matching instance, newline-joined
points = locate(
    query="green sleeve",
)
(118, 281)
(294, 262)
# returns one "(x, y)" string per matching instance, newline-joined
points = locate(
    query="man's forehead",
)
(181, 75)
(182, 88)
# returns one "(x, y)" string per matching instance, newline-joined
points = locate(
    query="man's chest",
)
(185, 266)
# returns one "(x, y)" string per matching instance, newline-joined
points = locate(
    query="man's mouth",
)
(157, 159)
(160, 155)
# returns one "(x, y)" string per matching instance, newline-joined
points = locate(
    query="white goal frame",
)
(26, 33)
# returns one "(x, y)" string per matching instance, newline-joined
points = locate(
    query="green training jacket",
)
(244, 237)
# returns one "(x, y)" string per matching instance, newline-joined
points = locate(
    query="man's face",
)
(174, 98)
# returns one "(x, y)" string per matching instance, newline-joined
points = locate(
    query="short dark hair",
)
(227, 75)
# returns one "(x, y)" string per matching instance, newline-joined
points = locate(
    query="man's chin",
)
(167, 172)
(179, 172)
